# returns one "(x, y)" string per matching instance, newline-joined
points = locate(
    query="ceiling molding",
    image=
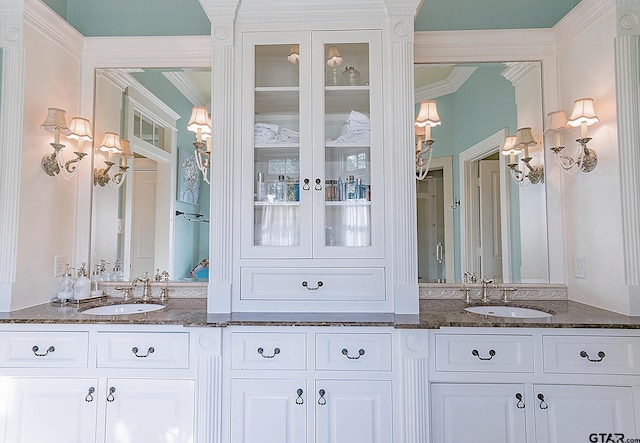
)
(451, 84)
(516, 71)
(580, 19)
(41, 18)
(186, 88)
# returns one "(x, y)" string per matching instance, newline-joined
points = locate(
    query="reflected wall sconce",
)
(519, 144)
(333, 57)
(426, 119)
(54, 164)
(584, 159)
(294, 54)
(200, 123)
(112, 145)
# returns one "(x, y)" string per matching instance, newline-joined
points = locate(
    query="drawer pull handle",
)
(35, 349)
(110, 397)
(305, 186)
(520, 404)
(477, 354)
(318, 186)
(318, 285)
(151, 350)
(276, 351)
(299, 400)
(601, 354)
(322, 401)
(543, 403)
(345, 352)
(89, 397)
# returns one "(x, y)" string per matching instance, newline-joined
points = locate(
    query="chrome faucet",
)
(485, 284)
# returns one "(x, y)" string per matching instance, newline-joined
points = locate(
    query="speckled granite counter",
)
(434, 314)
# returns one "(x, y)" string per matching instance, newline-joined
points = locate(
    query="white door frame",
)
(467, 163)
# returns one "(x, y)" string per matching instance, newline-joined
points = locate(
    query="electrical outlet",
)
(59, 265)
(579, 269)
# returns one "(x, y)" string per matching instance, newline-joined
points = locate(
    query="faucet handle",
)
(164, 294)
(128, 295)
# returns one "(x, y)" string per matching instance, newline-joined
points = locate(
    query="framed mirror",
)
(475, 215)
(155, 217)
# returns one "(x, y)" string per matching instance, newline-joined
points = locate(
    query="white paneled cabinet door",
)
(50, 410)
(268, 411)
(479, 413)
(355, 411)
(146, 410)
(573, 414)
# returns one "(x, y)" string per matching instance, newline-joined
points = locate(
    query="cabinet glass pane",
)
(276, 146)
(347, 147)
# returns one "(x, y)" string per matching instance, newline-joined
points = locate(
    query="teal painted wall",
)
(481, 107)
(191, 238)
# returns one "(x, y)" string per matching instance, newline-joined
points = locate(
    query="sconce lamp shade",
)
(583, 112)
(557, 122)
(111, 143)
(125, 148)
(207, 132)
(509, 145)
(428, 114)
(334, 58)
(294, 54)
(56, 122)
(80, 129)
(199, 119)
(524, 138)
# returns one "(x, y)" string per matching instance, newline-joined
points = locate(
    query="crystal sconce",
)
(519, 144)
(54, 164)
(426, 119)
(200, 123)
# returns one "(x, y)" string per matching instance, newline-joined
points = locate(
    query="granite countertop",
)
(434, 314)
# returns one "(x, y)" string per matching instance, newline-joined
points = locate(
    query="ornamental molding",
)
(451, 84)
(586, 14)
(186, 87)
(43, 20)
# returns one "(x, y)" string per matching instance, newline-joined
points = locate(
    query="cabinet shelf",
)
(358, 202)
(287, 203)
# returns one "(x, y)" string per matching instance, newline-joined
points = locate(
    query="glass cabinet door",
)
(349, 139)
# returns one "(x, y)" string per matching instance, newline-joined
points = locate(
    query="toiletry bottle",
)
(82, 285)
(340, 189)
(118, 273)
(352, 189)
(261, 188)
(281, 189)
(96, 283)
(66, 288)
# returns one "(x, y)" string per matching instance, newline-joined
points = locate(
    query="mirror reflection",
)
(480, 213)
(150, 208)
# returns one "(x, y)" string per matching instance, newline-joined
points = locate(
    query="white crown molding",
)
(451, 84)
(148, 52)
(41, 18)
(583, 16)
(186, 88)
(484, 45)
(516, 71)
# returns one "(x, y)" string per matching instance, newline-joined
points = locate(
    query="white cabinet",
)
(344, 393)
(312, 205)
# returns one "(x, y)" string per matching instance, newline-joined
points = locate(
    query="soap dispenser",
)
(66, 288)
(82, 285)
(96, 282)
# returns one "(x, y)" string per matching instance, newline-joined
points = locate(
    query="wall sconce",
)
(427, 118)
(333, 57)
(583, 115)
(294, 54)
(514, 145)
(200, 123)
(111, 144)
(54, 164)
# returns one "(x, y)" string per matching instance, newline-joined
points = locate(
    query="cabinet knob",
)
(89, 397)
(49, 350)
(305, 185)
(345, 352)
(299, 400)
(520, 404)
(151, 350)
(318, 186)
(110, 397)
(321, 400)
(601, 354)
(543, 403)
(276, 351)
(475, 353)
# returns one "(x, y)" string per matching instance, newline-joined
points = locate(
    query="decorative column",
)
(415, 386)
(11, 110)
(628, 116)
(222, 15)
(402, 198)
(208, 412)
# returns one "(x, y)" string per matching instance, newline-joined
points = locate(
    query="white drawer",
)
(143, 350)
(260, 350)
(313, 284)
(44, 349)
(353, 352)
(591, 354)
(484, 352)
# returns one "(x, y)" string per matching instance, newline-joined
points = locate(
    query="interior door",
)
(490, 247)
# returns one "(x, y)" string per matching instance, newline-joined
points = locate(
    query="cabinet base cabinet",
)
(577, 414)
(478, 413)
(50, 410)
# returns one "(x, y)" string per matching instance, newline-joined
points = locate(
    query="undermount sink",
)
(508, 311)
(123, 309)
